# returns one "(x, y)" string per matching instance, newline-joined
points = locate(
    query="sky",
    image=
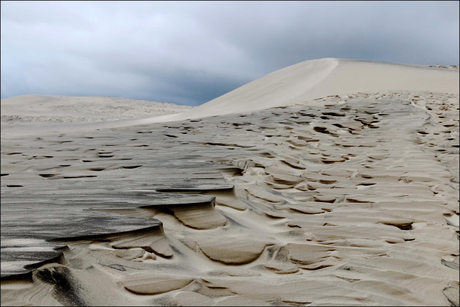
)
(191, 52)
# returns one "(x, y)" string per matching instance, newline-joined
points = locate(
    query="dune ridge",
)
(320, 78)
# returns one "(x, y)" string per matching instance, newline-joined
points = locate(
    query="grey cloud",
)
(189, 53)
(383, 31)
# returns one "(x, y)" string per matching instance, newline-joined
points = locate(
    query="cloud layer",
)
(191, 52)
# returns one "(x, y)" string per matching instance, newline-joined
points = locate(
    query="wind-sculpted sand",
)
(45, 113)
(335, 201)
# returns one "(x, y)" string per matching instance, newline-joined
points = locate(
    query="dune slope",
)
(319, 78)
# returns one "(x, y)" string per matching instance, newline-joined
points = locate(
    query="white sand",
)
(295, 84)
(42, 113)
(347, 197)
(48, 108)
(320, 78)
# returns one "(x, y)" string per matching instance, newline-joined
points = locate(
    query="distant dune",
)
(61, 109)
(45, 113)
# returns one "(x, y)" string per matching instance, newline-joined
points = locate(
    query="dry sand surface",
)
(329, 182)
(45, 113)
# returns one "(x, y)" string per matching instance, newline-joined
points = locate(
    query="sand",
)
(329, 182)
(47, 113)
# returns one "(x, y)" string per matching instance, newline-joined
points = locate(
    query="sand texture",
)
(350, 198)
(46, 113)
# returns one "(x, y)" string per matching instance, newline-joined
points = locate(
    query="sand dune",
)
(296, 84)
(46, 113)
(48, 108)
(330, 182)
(320, 78)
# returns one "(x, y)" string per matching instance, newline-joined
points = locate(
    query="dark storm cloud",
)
(189, 53)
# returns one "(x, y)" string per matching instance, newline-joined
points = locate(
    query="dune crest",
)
(320, 78)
